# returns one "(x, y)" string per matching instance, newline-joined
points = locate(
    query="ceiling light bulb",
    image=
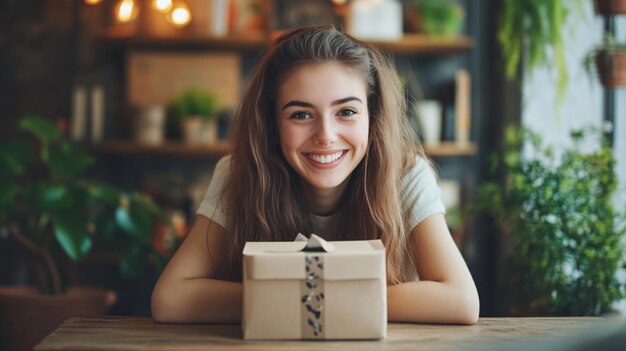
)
(92, 2)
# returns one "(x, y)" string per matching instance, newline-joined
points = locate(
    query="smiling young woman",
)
(323, 123)
(321, 145)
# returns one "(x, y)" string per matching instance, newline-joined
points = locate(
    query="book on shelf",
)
(462, 101)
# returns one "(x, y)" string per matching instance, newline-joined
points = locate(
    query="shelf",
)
(232, 42)
(416, 44)
(171, 148)
(410, 44)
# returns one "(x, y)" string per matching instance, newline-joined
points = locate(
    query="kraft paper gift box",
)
(314, 289)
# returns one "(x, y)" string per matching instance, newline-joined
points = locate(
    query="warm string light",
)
(162, 5)
(180, 15)
(177, 12)
(126, 11)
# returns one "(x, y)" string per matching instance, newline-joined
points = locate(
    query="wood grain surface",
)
(138, 333)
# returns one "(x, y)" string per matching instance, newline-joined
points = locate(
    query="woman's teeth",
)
(325, 158)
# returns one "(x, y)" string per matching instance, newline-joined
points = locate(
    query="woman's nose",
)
(325, 133)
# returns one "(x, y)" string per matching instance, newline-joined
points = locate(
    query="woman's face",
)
(323, 122)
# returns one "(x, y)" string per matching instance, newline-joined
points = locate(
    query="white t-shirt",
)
(420, 196)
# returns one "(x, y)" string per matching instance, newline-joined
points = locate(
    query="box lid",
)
(348, 260)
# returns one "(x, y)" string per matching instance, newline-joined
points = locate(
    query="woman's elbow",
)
(469, 308)
(162, 306)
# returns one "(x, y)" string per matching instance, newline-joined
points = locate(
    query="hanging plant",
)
(609, 61)
(530, 34)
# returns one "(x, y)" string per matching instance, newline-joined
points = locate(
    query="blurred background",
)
(114, 113)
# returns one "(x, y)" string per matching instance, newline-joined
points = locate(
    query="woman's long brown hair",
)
(262, 196)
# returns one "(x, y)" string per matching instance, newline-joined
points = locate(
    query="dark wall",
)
(46, 47)
(37, 62)
(499, 105)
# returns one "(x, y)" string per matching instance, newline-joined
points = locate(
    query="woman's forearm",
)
(198, 300)
(215, 301)
(432, 302)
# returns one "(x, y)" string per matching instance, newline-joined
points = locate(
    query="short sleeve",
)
(421, 195)
(212, 206)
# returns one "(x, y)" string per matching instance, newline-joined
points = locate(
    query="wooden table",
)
(138, 333)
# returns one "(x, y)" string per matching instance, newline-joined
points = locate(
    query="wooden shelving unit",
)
(231, 42)
(410, 44)
(415, 44)
(174, 148)
(170, 148)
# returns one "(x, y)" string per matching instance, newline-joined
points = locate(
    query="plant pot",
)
(611, 69)
(209, 131)
(27, 316)
(609, 7)
(192, 130)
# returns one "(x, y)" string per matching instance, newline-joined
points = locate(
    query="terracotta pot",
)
(609, 7)
(612, 69)
(27, 316)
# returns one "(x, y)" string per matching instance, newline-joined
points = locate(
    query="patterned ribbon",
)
(312, 300)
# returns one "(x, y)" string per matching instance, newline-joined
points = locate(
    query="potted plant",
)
(530, 34)
(435, 17)
(56, 216)
(609, 60)
(566, 239)
(195, 111)
(609, 7)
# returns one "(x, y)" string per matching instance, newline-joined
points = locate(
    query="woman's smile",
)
(325, 160)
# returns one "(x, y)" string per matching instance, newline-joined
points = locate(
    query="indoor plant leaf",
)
(44, 129)
(136, 222)
(15, 155)
(103, 192)
(68, 160)
(133, 261)
(145, 203)
(56, 197)
(71, 232)
(49, 197)
(8, 192)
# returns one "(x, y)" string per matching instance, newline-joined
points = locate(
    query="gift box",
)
(314, 289)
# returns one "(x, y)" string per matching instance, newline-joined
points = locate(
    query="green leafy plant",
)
(598, 57)
(440, 17)
(530, 34)
(55, 213)
(194, 102)
(566, 237)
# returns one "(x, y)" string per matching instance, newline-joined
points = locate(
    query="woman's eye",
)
(300, 116)
(347, 112)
